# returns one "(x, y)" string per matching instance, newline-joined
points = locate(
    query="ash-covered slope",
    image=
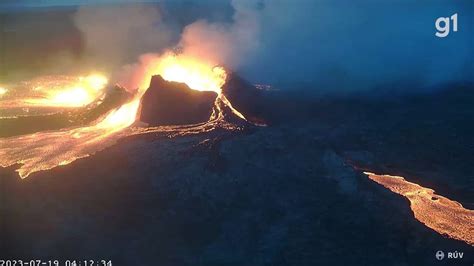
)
(174, 103)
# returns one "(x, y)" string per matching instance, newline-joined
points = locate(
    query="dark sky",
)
(21, 4)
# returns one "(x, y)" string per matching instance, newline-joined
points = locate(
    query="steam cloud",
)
(215, 43)
(340, 46)
(114, 35)
(227, 44)
(330, 46)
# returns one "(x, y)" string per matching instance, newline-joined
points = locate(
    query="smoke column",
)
(218, 43)
(328, 46)
(114, 35)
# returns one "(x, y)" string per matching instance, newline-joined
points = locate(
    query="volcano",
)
(170, 103)
(174, 103)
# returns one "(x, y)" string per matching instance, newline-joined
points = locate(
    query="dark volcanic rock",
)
(174, 103)
(279, 195)
(244, 97)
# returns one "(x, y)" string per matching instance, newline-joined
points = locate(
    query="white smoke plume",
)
(114, 35)
(227, 44)
(224, 44)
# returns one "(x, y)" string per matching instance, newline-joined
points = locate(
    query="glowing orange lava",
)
(439, 213)
(55, 91)
(79, 93)
(196, 74)
(3, 91)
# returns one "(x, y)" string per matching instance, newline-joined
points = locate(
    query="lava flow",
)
(46, 150)
(55, 91)
(441, 214)
(3, 91)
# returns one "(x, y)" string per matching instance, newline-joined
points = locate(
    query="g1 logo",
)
(443, 25)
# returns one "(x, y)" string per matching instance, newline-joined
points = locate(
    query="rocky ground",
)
(285, 194)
